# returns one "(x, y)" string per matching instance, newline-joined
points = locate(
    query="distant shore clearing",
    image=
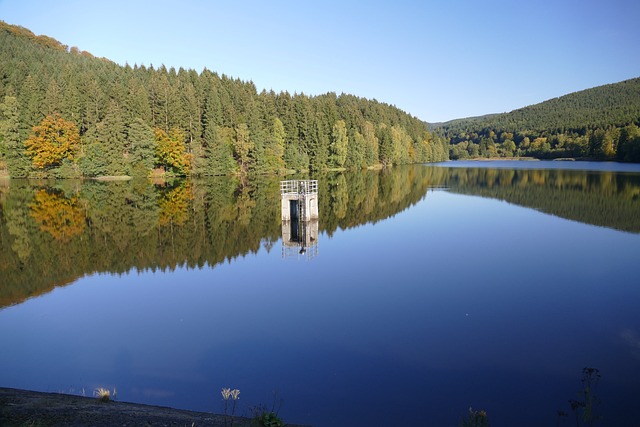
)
(113, 178)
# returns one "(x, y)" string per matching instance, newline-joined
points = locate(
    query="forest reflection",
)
(607, 199)
(53, 232)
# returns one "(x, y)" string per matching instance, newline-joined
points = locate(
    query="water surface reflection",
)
(431, 294)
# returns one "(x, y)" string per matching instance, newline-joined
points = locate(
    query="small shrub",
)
(267, 419)
(475, 419)
(585, 409)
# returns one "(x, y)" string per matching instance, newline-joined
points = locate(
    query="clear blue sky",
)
(437, 60)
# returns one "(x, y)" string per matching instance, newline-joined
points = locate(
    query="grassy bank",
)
(37, 409)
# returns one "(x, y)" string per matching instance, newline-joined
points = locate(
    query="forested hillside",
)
(66, 113)
(599, 123)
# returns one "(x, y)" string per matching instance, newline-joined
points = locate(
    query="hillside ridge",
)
(600, 123)
(67, 114)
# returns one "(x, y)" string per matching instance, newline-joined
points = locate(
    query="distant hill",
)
(450, 123)
(600, 123)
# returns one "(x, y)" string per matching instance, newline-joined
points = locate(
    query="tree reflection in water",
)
(119, 226)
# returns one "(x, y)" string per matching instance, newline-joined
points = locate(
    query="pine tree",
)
(319, 154)
(160, 94)
(371, 144)
(11, 149)
(190, 112)
(93, 101)
(111, 134)
(357, 151)
(271, 158)
(219, 151)
(242, 146)
(386, 150)
(93, 161)
(339, 143)
(31, 100)
(136, 104)
(278, 136)
(71, 103)
(53, 98)
(141, 148)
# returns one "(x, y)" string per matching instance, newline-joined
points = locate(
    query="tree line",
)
(66, 113)
(601, 123)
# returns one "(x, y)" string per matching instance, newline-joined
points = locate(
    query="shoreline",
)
(24, 407)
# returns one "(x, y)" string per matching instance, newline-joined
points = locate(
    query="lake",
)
(425, 291)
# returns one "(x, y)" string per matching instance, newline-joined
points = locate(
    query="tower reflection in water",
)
(299, 218)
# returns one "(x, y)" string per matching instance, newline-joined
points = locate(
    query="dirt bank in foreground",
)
(36, 409)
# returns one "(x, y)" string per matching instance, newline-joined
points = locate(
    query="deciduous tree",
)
(171, 151)
(52, 141)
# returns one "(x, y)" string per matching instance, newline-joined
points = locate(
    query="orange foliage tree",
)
(52, 141)
(171, 151)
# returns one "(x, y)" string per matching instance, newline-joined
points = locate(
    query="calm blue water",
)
(457, 301)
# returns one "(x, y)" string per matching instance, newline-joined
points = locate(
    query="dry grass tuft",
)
(102, 394)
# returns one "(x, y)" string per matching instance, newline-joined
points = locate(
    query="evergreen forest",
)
(596, 124)
(67, 114)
